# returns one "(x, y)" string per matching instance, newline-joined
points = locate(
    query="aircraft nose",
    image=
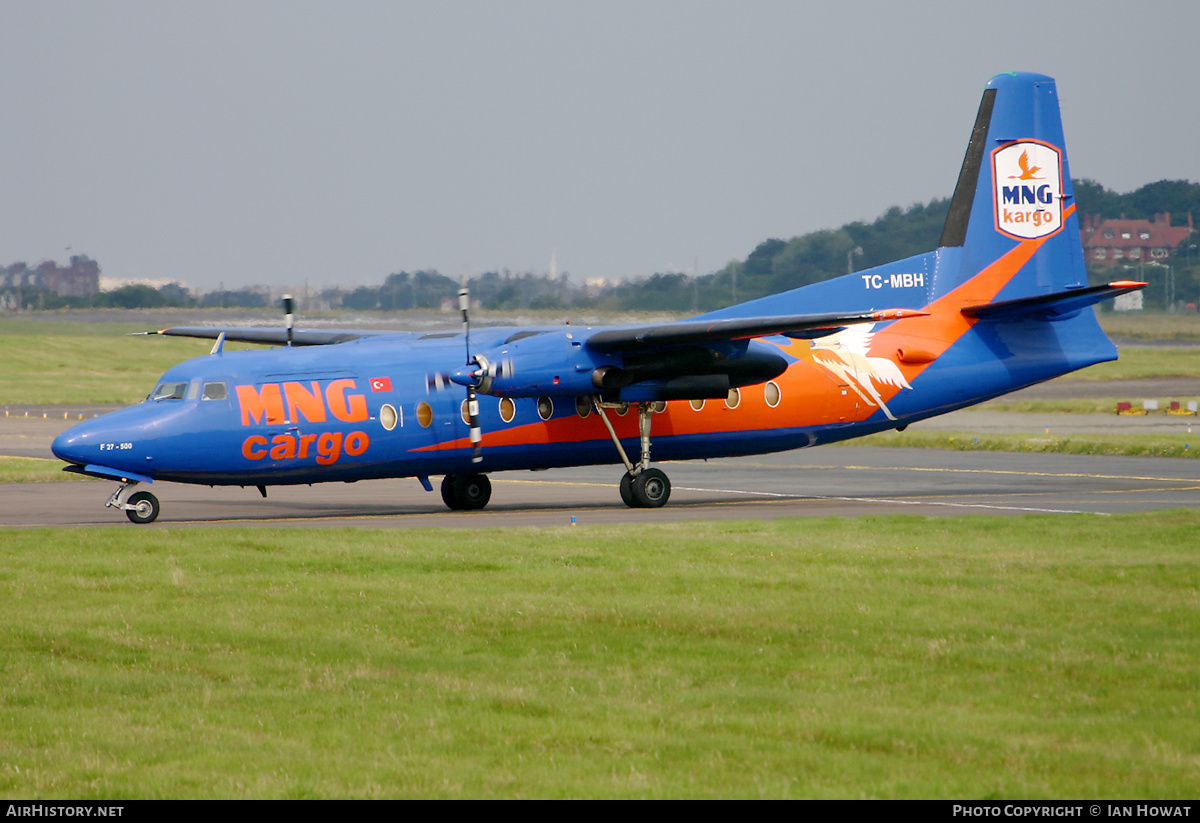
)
(74, 445)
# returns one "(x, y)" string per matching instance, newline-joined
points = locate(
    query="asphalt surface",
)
(845, 481)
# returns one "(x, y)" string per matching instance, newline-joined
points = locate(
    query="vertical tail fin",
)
(1014, 193)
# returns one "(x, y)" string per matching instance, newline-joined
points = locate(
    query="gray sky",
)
(281, 141)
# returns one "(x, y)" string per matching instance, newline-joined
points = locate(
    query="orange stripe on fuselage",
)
(811, 396)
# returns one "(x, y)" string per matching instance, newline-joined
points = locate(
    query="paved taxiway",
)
(835, 480)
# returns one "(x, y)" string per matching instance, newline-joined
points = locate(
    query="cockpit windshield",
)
(170, 391)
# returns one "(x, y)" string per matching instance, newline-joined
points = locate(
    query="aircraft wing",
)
(690, 332)
(275, 337)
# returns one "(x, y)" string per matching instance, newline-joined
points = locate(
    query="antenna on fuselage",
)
(464, 303)
(291, 318)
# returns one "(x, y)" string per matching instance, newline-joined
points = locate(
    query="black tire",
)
(627, 491)
(651, 489)
(466, 492)
(448, 492)
(473, 491)
(145, 508)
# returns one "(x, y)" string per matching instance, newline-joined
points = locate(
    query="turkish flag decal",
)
(381, 384)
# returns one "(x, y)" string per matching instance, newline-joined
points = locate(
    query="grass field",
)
(1144, 361)
(1151, 325)
(894, 657)
(1032, 657)
(55, 361)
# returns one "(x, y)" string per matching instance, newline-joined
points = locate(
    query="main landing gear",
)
(642, 487)
(466, 492)
(139, 507)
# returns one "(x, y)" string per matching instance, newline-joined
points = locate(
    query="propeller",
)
(464, 303)
(291, 318)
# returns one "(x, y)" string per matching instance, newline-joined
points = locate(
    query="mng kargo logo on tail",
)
(1027, 182)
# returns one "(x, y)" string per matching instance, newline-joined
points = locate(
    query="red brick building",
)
(1121, 242)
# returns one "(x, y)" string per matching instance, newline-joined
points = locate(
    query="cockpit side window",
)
(213, 391)
(170, 391)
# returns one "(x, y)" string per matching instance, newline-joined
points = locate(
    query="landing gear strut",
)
(642, 487)
(466, 492)
(140, 507)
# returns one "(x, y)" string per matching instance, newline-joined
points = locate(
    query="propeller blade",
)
(464, 304)
(291, 318)
(473, 422)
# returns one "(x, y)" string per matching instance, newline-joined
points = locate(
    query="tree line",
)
(773, 266)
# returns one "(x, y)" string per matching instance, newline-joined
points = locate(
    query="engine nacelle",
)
(545, 364)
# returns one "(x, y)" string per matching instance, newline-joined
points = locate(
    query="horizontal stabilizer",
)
(1049, 306)
(639, 338)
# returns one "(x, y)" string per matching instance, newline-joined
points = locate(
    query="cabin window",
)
(583, 406)
(733, 399)
(697, 404)
(772, 394)
(170, 391)
(545, 408)
(424, 414)
(213, 391)
(508, 410)
(658, 406)
(388, 417)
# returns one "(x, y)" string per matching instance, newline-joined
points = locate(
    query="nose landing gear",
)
(140, 507)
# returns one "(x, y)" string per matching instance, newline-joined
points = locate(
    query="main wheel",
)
(448, 492)
(466, 492)
(627, 491)
(145, 508)
(651, 489)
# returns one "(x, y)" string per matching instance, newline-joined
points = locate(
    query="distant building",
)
(1120, 242)
(80, 279)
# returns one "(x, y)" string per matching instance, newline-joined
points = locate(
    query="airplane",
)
(1003, 302)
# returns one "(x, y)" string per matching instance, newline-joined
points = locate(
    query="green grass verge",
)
(1151, 325)
(60, 362)
(32, 470)
(1134, 362)
(1024, 657)
(1130, 445)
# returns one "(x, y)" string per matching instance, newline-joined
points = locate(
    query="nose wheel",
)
(139, 507)
(142, 508)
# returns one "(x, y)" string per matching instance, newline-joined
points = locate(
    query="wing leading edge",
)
(694, 332)
(270, 337)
